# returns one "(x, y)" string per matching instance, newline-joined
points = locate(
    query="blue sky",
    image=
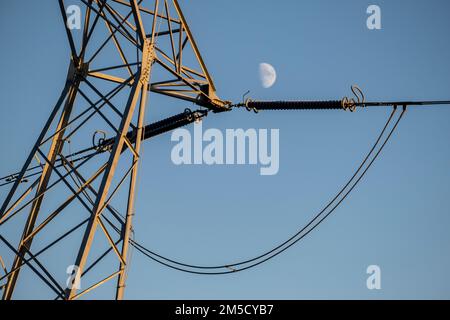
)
(397, 218)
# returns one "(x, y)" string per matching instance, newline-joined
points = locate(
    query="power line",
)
(313, 224)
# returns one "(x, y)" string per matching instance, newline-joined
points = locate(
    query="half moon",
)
(267, 75)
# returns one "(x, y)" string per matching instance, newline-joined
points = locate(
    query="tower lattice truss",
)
(78, 184)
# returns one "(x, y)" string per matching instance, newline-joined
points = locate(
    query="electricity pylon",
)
(125, 50)
(156, 52)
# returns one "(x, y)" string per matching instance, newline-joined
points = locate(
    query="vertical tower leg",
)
(127, 228)
(139, 89)
(55, 148)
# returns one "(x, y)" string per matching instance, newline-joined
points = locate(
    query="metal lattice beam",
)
(156, 53)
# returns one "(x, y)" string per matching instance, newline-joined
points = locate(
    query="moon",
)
(267, 75)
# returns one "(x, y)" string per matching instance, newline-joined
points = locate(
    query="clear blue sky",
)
(399, 218)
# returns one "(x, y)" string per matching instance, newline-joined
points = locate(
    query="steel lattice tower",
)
(158, 54)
